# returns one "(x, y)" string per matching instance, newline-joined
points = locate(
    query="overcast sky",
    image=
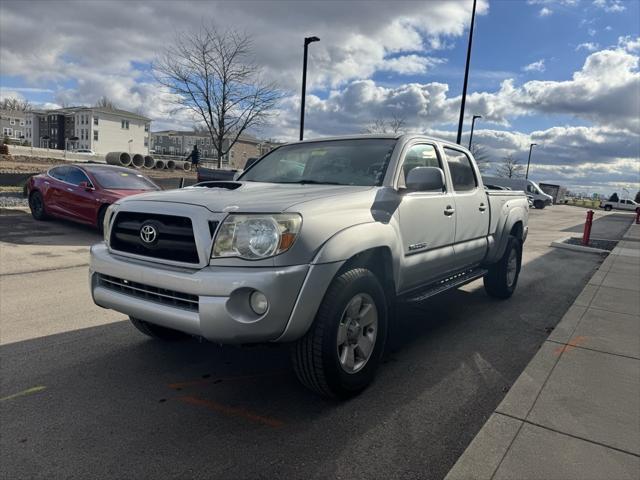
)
(559, 73)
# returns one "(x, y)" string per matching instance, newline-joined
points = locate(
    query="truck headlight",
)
(254, 237)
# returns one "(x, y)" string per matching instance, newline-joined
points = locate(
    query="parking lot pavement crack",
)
(581, 347)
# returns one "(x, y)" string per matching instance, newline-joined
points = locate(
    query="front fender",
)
(358, 238)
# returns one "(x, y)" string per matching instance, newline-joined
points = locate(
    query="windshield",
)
(122, 180)
(336, 162)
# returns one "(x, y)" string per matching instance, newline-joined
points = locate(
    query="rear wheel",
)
(156, 331)
(607, 208)
(339, 355)
(502, 278)
(36, 205)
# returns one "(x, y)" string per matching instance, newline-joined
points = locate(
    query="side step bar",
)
(453, 281)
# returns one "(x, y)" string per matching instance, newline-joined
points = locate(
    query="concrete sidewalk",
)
(574, 413)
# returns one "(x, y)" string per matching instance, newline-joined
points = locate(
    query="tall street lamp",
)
(473, 122)
(307, 41)
(526, 177)
(466, 74)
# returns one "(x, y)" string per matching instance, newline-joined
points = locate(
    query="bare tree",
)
(15, 104)
(510, 168)
(212, 74)
(394, 125)
(106, 102)
(482, 157)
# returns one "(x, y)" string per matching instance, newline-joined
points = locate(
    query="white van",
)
(540, 199)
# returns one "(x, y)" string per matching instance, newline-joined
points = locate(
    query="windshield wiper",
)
(314, 182)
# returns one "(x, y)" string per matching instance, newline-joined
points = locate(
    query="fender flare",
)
(515, 215)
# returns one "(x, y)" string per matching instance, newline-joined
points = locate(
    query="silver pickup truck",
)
(315, 244)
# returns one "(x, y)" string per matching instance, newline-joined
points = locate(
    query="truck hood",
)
(249, 196)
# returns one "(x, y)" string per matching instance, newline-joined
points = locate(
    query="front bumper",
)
(222, 313)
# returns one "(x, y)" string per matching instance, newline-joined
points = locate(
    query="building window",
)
(146, 141)
(22, 123)
(95, 120)
(125, 124)
(95, 135)
(7, 131)
(146, 127)
(12, 121)
(17, 133)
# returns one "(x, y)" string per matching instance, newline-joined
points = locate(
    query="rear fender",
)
(516, 214)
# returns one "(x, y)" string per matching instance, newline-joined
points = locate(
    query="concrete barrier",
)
(137, 160)
(122, 159)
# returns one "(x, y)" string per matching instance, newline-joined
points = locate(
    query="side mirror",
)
(85, 186)
(425, 179)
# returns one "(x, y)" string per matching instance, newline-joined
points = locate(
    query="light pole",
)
(466, 74)
(130, 142)
(307, 41)
(526, 177)
(473, 122)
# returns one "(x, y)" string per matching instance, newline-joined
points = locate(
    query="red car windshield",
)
(122, 180)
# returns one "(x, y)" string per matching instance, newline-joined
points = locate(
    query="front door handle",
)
(449, 210)
(69, 189)
(482, 207)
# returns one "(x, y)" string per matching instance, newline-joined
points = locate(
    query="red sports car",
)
(82, 192)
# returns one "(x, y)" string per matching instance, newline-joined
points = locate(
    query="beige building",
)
(99, 129)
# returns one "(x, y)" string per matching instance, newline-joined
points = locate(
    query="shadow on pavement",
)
(118, 404)
(609, 227)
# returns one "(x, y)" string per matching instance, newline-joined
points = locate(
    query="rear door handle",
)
(482, 207)
(449, 210)
(69, 189)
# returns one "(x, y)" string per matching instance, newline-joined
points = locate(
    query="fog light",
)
(258, 302)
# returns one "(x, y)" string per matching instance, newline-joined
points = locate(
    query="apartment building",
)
(100, 129)
(180, 143)
(14, 126)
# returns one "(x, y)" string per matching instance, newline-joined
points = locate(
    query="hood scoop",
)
(218, 184)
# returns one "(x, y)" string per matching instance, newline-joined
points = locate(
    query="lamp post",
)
(473, 122)
(130, 142)
(526, 177)
(466, 74)
(307, 41)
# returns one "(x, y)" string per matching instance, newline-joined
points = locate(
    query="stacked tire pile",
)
(137, 160)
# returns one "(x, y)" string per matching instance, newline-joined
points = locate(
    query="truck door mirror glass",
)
(425, 179)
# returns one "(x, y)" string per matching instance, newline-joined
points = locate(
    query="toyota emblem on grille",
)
(148, 234)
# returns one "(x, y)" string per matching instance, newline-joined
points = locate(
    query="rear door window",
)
(461, 168)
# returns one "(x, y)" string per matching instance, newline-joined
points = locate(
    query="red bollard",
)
(587, 228)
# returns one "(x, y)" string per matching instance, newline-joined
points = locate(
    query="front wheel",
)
(36, 205)
(607, 208)
(502, 278)
(339, 355)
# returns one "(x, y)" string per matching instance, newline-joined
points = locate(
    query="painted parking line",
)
(232, 411)
(28, 391)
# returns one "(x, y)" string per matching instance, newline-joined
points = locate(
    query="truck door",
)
(471, 209)
(426, 222)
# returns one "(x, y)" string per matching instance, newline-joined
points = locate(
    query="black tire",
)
(497, 283)
(539, 204)
(608, 208)
(37, 207)
(156, 331)
(100, 219)
(315, 356)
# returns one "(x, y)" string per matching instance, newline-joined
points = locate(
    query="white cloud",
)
(545, 12)
(629, 44)
(410, 64)
(611, 6)
(588, 46)
(535, 66)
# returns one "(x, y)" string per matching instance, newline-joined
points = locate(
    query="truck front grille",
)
(173, 239)
(147, 292)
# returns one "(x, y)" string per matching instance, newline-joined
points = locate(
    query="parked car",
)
(626, 204)
(86, 151)
(82, 192)
(540, 199)
(314, 245)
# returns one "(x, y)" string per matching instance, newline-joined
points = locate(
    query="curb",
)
(576, 248)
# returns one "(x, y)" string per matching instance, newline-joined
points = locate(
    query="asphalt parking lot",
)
(84, 395)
